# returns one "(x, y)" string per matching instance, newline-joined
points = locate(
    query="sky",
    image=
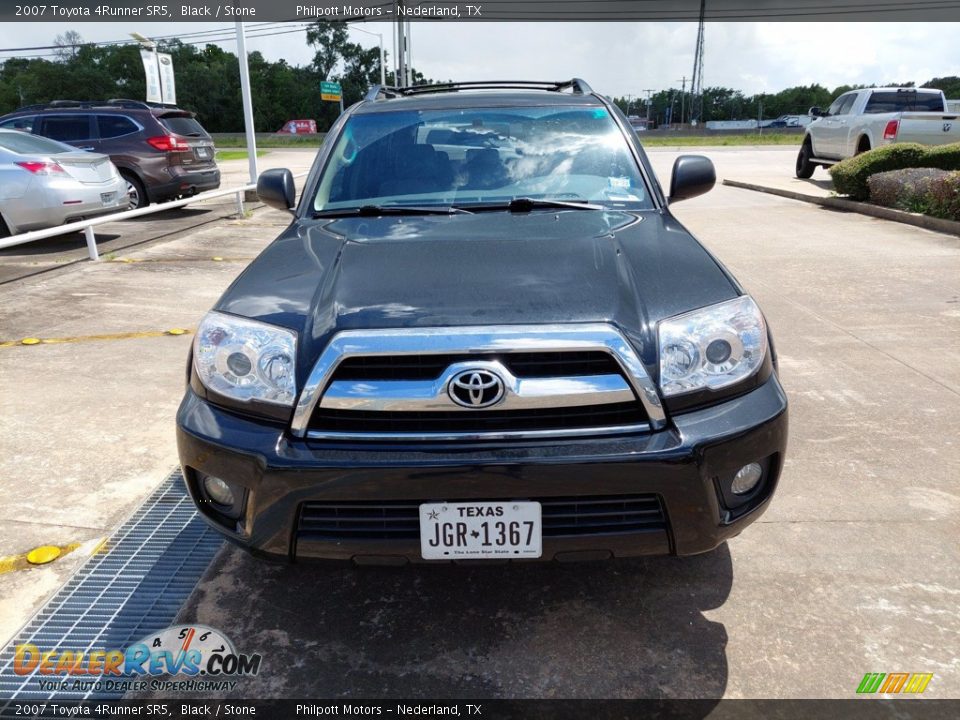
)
(615, 58)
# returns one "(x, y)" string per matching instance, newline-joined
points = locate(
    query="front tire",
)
(805, 168)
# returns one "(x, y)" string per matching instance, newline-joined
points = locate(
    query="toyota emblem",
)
(476, 388)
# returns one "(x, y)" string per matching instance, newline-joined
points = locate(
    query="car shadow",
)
(822, 184)
(617, 629)
(66, 243)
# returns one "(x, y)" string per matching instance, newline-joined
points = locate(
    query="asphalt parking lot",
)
(855, 568)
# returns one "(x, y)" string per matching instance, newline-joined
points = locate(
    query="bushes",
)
(850, 175)
(925, 190)
(903, 189)
(944, 197)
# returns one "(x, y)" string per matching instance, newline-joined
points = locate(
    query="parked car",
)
(508, 349)
(861, 120)
(298, 127)
(44, 183)
(789, 121)
(161, 151)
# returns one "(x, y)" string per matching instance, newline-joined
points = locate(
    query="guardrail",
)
(86, 226)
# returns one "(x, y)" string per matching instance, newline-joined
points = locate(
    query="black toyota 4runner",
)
(483, 336)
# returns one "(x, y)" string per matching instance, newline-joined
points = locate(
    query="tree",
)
(68, 44)
(330, 39)
(950, 85)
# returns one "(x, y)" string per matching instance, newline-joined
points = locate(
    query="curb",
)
(950, 227)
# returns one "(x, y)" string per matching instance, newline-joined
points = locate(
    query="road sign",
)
(330, 91)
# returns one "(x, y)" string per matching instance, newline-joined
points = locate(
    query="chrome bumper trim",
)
(519, 393)
(478, 339)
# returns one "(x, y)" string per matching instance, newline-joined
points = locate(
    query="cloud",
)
(623, 58)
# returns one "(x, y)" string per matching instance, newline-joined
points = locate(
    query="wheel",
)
(4, 230)
(135, 191)
(863, 146)
(805, 168)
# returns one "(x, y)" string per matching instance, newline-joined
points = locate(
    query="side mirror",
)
(277, 189)
(815, 111)
(692, 175)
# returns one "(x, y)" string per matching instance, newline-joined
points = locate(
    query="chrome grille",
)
(477, 383)
(523, 364)
(489, 421)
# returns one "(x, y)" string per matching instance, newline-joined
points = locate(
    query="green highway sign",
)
(330, 91)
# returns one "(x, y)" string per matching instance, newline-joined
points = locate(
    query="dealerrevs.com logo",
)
(893, 683)
(201, 653)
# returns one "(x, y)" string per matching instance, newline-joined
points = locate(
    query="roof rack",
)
(83, 104)
(578, 86)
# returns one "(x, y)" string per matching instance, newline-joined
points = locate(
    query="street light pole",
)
(383, 69)
(247, 102)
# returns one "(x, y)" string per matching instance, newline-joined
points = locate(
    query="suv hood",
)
(489, 268)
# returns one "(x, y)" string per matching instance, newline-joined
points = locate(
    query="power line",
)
(205, 41)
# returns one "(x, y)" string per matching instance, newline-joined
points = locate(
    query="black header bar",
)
(60, 11)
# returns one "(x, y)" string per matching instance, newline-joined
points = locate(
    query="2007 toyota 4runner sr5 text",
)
(483, 336)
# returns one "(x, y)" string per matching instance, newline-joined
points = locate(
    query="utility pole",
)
(649, 92)
(408, 46)
(401, 46)
(683, 98)
(696, 82)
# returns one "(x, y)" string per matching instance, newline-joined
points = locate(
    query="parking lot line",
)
(29, 341)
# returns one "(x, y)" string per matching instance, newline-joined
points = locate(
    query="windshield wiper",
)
(525, 204)
(380, 210)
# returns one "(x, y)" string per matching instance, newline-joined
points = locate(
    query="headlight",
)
(711, 348)
(245, 359)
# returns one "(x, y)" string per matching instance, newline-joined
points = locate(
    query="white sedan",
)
(44, 183)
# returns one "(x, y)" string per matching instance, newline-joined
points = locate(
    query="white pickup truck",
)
(861, 120)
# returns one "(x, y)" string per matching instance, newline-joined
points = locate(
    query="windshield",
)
(476, 156)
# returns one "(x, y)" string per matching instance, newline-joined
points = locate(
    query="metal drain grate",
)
(135, 585)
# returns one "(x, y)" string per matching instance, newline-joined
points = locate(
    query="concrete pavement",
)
(854, 569)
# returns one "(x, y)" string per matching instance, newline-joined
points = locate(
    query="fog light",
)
(218, 491)
(746, 479)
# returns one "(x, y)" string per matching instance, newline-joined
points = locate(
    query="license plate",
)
(480, 530)
(107, 198)
(203, 153)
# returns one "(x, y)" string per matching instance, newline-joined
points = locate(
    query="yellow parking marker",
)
(42, 555)
(89, 338)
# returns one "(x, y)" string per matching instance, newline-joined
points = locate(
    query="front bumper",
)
(685, 466)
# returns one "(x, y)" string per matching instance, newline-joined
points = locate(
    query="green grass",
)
(269, 142)
(235, 154)
(771, 138)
